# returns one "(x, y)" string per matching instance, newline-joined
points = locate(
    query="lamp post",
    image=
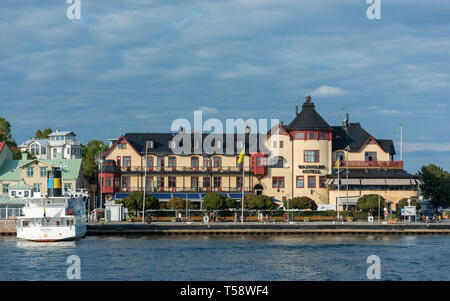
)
(145, 184)
(347, 148)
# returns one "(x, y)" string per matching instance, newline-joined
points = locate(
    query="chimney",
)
(296, 110)
(24, 156)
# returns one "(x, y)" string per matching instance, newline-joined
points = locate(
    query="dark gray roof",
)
(355, 136)
(308, 119)
(161, 142)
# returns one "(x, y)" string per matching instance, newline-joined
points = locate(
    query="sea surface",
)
(229, 258)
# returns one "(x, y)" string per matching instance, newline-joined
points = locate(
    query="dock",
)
(319, 228)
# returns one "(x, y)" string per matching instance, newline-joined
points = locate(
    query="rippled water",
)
(229, 258)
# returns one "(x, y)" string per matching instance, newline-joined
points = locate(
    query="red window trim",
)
(278, 182)
(311, 150)
(322, 179)
(315, 181)
(296, 181)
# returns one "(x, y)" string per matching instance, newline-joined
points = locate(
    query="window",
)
(118, 162)
(194, 182)
(148, 182)
(126, 161)
(149, 163)
(371, 156)
(160, 161)
(172, 162)
(30, 171)
(109, 182)
(340, 156)
(281, 144)
(34, 149)
(311, 181)
(149, 144)
(239, 182)
(311, 156)
(160, 182)
(300, 181)
(194, 162)
(172, 182)
(259, 161)
(299, 135)
(55, 153)
(37, 187)
(278, 162)
(126, 182)
(206, 162)
(43, 171)
(323, 135)
(26, 193)
(311, 135)
(206, 182)
(43, 150)
(122, 145)
(217, 182)
(217, 162)
(67, 186)
(322, 181)
(277, 182)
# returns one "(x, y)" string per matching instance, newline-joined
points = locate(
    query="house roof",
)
(161, 142)
(61, 133)
(308, 119)
(11, 170)
(4, 200)
(2, 144)
(355, 136)
(21, 186)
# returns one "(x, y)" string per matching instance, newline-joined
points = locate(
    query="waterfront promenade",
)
(254, 228)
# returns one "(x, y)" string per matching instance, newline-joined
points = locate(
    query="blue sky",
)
(135, 66)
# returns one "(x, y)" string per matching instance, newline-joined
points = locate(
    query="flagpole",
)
(243, 187)
(401, 142)
(339, 186)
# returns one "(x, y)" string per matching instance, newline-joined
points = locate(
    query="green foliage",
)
(436, 185)
(404, 202)
(89, 152)
(258, 202)
(43, 134)
(133, 202)
(5, 130)
(214, 201)
(177, 203)
(303, 202)
(369, 202)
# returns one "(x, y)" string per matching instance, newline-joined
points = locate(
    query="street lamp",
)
(347, 148)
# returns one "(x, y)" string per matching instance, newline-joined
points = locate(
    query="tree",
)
(133, 202)
(89, 152)
(5, 130)
(213, 201)
(369, 202)
(436, 185)
(177, 203)
(43, 134)
(404, 202)
(258, 202)
(303, 202)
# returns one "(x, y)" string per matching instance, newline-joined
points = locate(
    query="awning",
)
(373, 181)
(396, 182)
(351, 181)
(329, 181)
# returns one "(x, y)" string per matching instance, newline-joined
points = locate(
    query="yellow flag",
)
(241, 155)
(336, 166)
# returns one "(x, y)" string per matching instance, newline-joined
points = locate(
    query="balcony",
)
(186, 189)
(371, 164)
(185, 169)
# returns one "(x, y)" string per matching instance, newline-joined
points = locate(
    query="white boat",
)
(53, 219)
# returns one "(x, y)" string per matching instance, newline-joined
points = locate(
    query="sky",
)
(137, 65)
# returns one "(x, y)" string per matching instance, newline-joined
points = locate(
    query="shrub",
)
(177, 203)
(258, 202)
(214, 201)
(303, 202)
(369, 202)
(133, 202)
(404, 202)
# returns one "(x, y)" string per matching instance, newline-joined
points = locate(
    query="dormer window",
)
(172, 144)
(150, 144)
(122, 145)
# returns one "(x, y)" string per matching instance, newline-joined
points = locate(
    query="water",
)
(229, 258)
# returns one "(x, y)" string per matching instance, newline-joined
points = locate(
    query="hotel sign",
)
(312, 169)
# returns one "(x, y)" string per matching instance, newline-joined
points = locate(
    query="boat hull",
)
(51, 234)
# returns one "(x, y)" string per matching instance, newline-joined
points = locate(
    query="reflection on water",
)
(309, 257)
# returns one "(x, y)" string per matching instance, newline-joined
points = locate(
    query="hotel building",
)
(295, 160)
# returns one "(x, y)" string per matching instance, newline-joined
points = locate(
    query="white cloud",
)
(208, 110)
(325, 91)
(416, 147)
